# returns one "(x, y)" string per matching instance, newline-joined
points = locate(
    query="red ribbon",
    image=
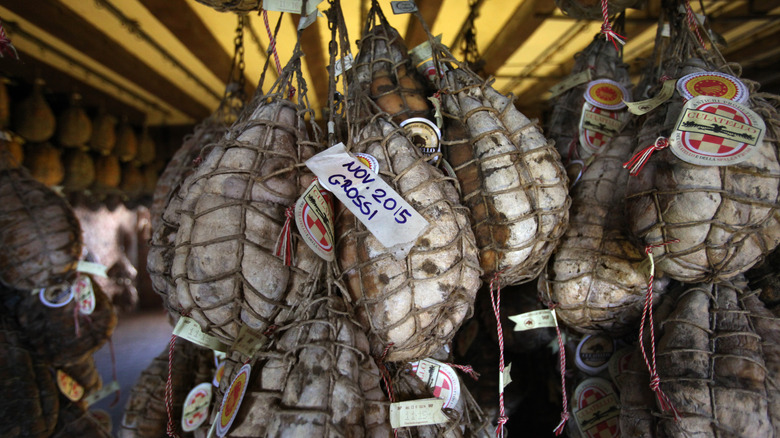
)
(272, 48)
(380, 363)
(284, 244)
(638, 161)
(606, 27)
(466, 369)
(647, 314)
(5, 44)
(693, 24)
(565, 403)
(169, 390)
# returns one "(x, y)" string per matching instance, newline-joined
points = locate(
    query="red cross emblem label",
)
(713, 131)
(597, 409)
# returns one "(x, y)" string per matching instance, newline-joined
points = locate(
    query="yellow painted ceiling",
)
(546, 54)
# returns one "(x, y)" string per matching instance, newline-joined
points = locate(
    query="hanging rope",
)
(495, 301)
(171, 430)
(606, 27)
(565, 400)
(638, 161)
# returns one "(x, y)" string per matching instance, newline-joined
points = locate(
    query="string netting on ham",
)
(167, 198)
(383, 67)
(238, 6)
(511, 177)
(435, 284)
(724, 216)
(40, 235)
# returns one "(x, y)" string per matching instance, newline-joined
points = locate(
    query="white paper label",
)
(391, 219)
(248, 342)
(645, 106)
(343, 64)
(570, 82)
(417, 413)
(308, 20)
(188, 329)
(102, 393)
(534, 320)
(92, 268)
(291, 6)
(504, 378)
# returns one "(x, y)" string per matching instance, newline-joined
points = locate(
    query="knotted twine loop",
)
(272, 48)
(386, 379)
(638, 161)
(169, 390)
(5, 44)
(495, 301)
(565, 400)
(606, 27)
(284, 246)
(465, 368)
(693, 23)
(647, 314)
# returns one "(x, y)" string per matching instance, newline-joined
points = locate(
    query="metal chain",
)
(469, 45)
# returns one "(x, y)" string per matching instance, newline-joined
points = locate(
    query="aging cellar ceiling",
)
(168, 60)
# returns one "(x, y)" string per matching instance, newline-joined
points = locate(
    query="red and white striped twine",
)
(5, 44)
(565, 404)
(638, 161)
(380, 363)
(606, 27)
(272, 48)
(647, 314)
(693, 23)
(169, 389)
(495, 301)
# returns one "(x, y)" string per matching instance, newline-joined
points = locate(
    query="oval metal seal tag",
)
(606, 94)
(713, 131)
(597, 409)
(196, 407)
(232, 401)
(712, 84)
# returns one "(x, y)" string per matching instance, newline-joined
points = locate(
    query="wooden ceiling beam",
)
(314, 57)
(62, 82)
(415, 34)
(526, 18)
(186, 25)
(68, 26)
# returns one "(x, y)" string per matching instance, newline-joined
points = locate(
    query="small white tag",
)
(417, 413)
(570, 82)
(391, 219)
(102, 393)
(248, 342)
(92, 268)
(291, 6)
(308, 20)
(665, 32)
(534, 320)
(343, 64)
(403, 7)
(504, 378)
(645, 106)
(188, 329)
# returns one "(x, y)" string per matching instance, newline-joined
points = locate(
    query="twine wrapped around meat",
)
(145, 412)
(510, 175)
(232, 213)
(74, 421)
(31, 399)
(74, 128)
(384, 68)
(592, 9)
(44, 163)
(725, 217)
(240, 6)
(596, 277)
(52, 332)
(315, 378)
(465, 419)
(85, 373)
(766, 278)
(717, 361)
(563, 126)
(40, 237)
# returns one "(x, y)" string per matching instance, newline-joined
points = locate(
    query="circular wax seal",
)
(606, 94)
(713, 84)
(56, 296)
(618, 364)
(593, 353)
(441, 378)
(196, 407)
(368, 160)
(712, 131)
(424, 134)
(84, 295)
(232, 400)
(596, 409)
(69, 387)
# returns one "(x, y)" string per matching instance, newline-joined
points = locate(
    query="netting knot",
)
(562, 425)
